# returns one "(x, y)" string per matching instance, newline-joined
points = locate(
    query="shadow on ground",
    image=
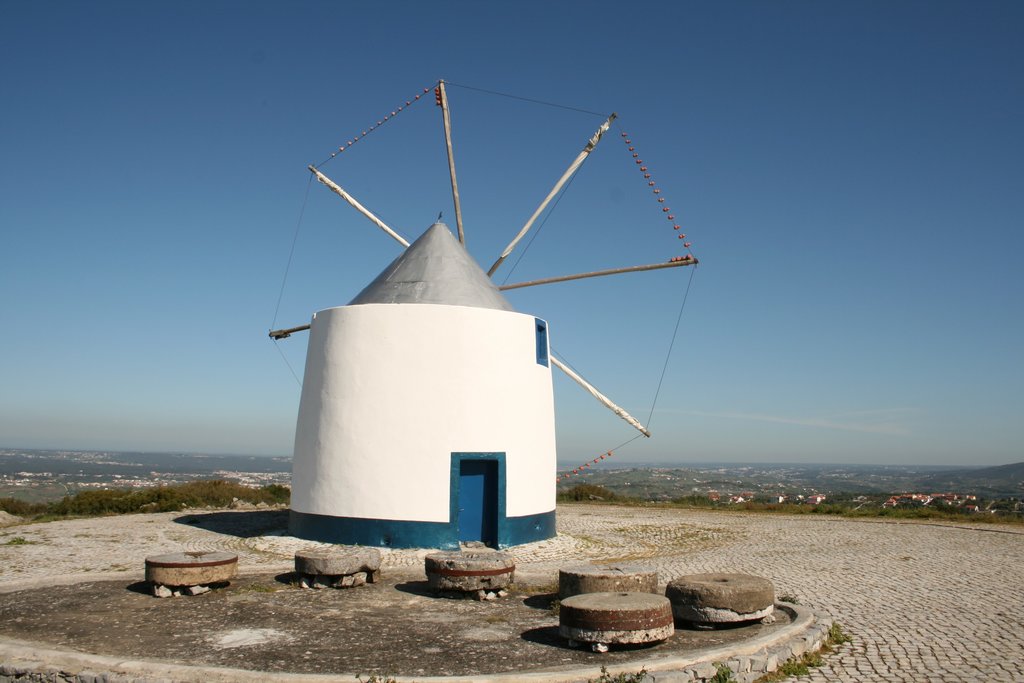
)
(240, 523)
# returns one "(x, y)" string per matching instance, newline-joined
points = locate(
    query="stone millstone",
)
(338, 562)
(191, 568)
(469, 572)
(621, 578)
(616, 618)
(721, 598)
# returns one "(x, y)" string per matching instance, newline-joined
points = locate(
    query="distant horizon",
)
(561, 464)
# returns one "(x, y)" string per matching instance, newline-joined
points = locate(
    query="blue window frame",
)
(542, 342)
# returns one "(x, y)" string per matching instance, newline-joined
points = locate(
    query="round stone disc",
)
(460, 571)
(721, 598)
(615, 618)
(191, 568)
(618, 578)
(336, 561)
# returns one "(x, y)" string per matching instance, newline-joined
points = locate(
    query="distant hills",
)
(670, 481)
(130, 464)
(648, 480)
(1001, 480)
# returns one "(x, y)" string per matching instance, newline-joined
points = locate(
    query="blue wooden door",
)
(478, 500)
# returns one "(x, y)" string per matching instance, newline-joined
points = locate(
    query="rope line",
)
(562, 358)
(609, 453)
(542, 224)
(649, 179)
(284, 280)
(387, 117)
(526, 99)
(285, 359)
(667, 212)
(671, 344)
(295, 238)
(664, 369)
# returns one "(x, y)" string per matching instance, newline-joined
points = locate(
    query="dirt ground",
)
(266, 623)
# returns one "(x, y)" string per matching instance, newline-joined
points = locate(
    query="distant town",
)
(47, 475)
(43, 475)
(995, 490)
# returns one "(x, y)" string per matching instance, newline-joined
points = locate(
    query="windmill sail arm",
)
(287, 332)
(683, 261)
(447, 120)
(607, 402)
(334, 187)
(573, 167)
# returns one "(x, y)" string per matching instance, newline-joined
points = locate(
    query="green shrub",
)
(723, 674)
(214, 493)
(606, 677)
(21, 508)
(836, 636)
(589, 492)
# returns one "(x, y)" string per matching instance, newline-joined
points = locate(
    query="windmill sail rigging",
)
(573, 167)
(334, 187)
(442, 101)
(674, 263)
(607, 402)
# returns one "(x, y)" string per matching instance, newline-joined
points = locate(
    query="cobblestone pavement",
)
(923, 602)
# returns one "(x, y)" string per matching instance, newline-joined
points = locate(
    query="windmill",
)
(427, 414)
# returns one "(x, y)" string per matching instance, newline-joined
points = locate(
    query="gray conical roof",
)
(435, 269)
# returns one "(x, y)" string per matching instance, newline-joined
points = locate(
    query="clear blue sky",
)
(850, 175)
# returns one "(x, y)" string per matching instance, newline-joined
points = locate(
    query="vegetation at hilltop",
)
(842, 505)
(196, 494)
(585, 492)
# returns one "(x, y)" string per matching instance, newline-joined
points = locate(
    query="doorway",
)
(477, 499)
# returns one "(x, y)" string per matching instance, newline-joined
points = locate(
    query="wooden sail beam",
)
(573, 167)
(334, 187)
(607, 402)
(285, 333)
(686, 261)
(451, 159)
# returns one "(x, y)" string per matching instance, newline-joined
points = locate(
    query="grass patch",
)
(495, 619)
(802, 665)
(723, 674)
(606, 677)
(19, 540)
(836, 636)
(375, 678)
(257, 588)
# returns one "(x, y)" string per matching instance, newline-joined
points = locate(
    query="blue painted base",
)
(390, 533)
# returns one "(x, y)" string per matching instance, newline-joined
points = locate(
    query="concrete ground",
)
(923, 602)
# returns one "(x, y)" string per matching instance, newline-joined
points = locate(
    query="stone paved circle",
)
(921, 601)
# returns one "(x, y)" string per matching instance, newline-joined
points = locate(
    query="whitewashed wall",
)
(392, 390)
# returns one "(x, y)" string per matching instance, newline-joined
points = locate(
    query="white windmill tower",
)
(427, 414)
